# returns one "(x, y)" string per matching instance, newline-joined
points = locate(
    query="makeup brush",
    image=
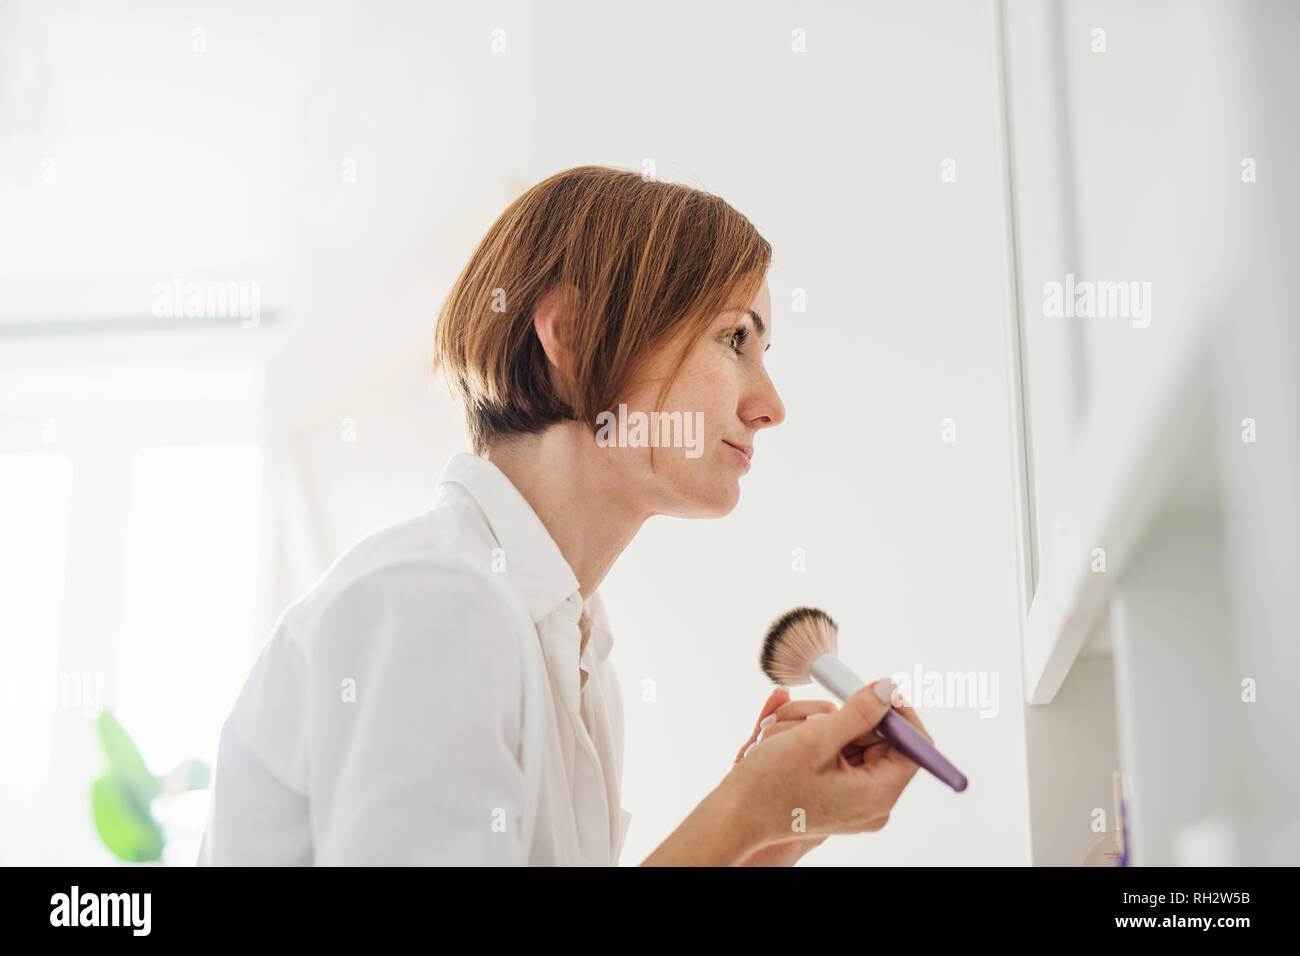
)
(801, 646)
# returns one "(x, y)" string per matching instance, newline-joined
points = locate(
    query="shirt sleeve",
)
(258, 811)
(253, 818)
(415, 703)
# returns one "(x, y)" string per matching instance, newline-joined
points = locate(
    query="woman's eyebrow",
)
(758, 320)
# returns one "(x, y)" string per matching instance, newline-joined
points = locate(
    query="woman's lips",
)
(745, 454)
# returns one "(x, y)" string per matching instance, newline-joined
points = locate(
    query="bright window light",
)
(189, 595)
(35, 509)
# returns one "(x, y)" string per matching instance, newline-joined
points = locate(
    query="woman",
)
(443, 695)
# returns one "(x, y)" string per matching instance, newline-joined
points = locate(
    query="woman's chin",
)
(721, 499)
(716, 499)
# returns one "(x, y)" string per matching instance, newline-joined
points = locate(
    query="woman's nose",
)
(766, 408)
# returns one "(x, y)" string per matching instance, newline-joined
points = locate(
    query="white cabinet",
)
(1151, 235)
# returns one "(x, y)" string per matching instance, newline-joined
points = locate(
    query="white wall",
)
(835, 155)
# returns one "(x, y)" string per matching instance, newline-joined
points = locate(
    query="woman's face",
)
(724, 398)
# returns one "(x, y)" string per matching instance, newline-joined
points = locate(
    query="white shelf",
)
(1131, 465)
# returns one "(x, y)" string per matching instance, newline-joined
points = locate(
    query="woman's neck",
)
(579, 496)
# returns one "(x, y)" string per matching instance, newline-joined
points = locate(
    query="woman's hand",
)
(835, 773)
(778, 714)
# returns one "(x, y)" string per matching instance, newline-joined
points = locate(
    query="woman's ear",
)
(550, 317)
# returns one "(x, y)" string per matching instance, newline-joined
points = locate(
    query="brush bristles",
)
(794, 641)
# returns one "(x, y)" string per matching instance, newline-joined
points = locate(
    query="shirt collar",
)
(534, 562)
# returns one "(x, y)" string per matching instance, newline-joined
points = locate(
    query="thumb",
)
(861, 714)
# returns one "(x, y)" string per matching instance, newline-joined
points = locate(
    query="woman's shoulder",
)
(393, 616)
(436, 568)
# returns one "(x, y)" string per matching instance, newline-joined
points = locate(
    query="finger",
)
(906, 711)
(816, 708)
(882, 756)
(877, 751)
(767, 732)
(774, 700)
(873, 754)
(909, 713)
(779, 727)
(799, 709)
(861, 713)
(744, 748)
(902, 768)
(867, 739)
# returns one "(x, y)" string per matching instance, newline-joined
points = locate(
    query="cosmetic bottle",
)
(1110, 849)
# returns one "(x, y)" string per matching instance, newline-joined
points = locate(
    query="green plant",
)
(122, 797)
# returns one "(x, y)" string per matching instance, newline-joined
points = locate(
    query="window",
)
(189, 589)
(35, 511)
(129, 539)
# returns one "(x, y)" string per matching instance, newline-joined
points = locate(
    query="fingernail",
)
(766, 721)
(818, 714)
(885, 690)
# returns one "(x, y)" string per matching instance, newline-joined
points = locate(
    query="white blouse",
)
(432, 700)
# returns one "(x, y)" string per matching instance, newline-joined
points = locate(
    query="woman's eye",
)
(740, 334)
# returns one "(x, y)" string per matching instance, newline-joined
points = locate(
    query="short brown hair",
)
(651, 262)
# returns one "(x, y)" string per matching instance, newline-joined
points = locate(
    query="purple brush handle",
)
(908, 741)
(838, 678)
